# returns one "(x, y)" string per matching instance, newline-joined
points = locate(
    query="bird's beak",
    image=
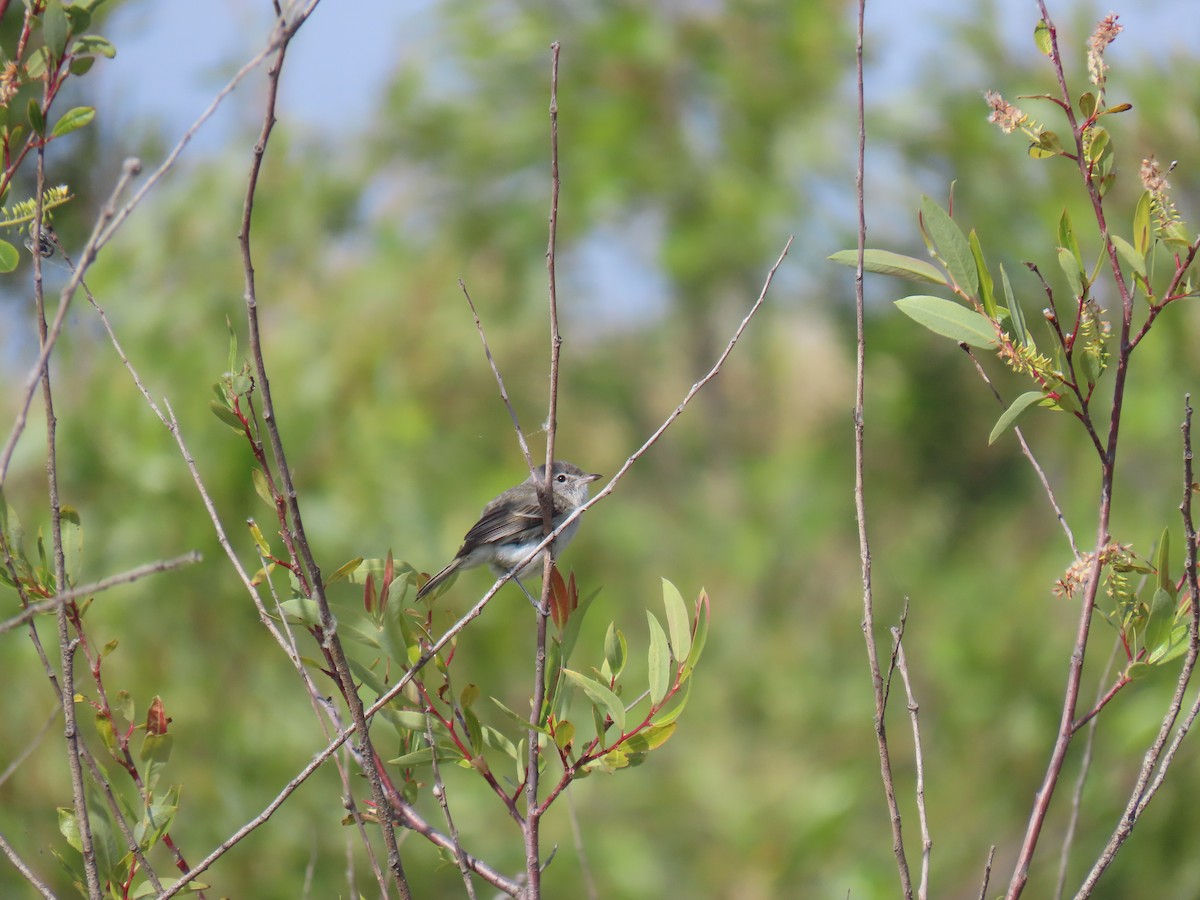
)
(594, 476)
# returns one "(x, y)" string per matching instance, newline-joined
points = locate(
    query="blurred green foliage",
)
(693, 139)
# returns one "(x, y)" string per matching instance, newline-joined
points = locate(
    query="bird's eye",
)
(562, 478)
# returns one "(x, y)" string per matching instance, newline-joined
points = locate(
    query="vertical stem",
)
(533, 870)
(860, 503)
(66, 644)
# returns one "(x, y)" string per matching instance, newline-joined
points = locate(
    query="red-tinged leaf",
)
(156, 717)
(369, 594)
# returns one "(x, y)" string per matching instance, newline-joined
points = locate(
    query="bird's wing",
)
(504, 524)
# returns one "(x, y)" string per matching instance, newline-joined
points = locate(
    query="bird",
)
(510, 526)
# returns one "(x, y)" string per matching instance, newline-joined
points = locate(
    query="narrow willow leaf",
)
(55, 28)
(1015, 316)
(1162, 562)
(1066, 238)
(949, 319)
(602, 698)
(1141, 225)
(414, 760)
(951, 246)
(1070, 268)
(679, 624)
(1130, 256)
(650, 738)
(884, 262)
(1158, 626)
(987, 294)
(1010, 416)
(659, 660)
(616, 650)
(675, 707)
(700, 638)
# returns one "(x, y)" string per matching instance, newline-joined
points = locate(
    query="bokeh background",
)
(412, 151)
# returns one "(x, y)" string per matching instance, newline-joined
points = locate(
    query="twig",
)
(330, 644)
(26, 872)
(499, 378)
(1156, 761)
(1028, 454)
(29, 748)
(1045, 793)
(987, 873)
(128, 171)
(860, 502)
(914, 715)
(96, 587)
(533, 816)
(1085, 765)
(439, 793)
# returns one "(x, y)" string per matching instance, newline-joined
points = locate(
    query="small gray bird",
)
(511, 525)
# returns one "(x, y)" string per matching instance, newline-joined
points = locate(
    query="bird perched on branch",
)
(510, 526)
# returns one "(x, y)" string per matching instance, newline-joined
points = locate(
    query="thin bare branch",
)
(860, 502)
(1028, 454)
(26, 872)
(96, 587)
(919, 755)
(1157, 759)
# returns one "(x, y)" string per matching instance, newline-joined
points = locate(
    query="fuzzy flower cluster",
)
(1106, 32)
(1154, 180)
(10, 82)
(1113, 556)
(1004, 114)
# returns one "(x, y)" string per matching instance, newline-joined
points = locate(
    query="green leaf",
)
(154, 754)
(1070, 268)
(1136, 261)
(73, 120)
(1041, 37)
(37, 121)
(679, 624)
(55, 28)
(1010, 416)
(951, 245)
(650, 738)
(35, 67)
(602, 698)
(1087, 104)
(71, 528)
(1162, 563)
(675, 707)
(9, 257)
(659, 669)
(616, 651)
(987, 295)
(1015, 316)
(1066, 237)
(1141, 224)
(415, 759)
(699, 638)
(93, 45)
(226, 415)
(949, 319)
(884, 262)
(344, 571)
(1158, 625)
